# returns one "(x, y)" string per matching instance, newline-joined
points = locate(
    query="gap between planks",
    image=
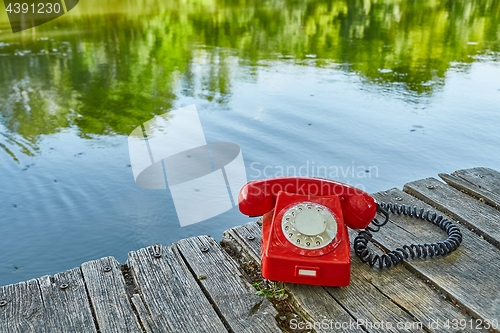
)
(48, 294)
(409, 293)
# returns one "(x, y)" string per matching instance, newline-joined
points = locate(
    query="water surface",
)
(375, 94)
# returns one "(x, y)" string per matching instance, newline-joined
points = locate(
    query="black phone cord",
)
(394, 257)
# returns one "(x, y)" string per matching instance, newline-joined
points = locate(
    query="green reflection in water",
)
(108, 66)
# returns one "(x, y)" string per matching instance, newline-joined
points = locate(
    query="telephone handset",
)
(304, 234)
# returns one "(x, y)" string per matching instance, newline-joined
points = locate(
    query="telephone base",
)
(282, 260)
(329, 270)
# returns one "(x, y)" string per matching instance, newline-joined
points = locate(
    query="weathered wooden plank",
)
(314, 302)
(22, 308)
(412, 294)
(466, 187)
(479, 217)
(484, 178)
(360, 296)
(170, 293)
(107, 291)
(483, 183)
(370, 307)
(66, 303)
(331, 311)
(468, 275)
(248, 236)
(143, 313)
(424, 304)
(232, 295)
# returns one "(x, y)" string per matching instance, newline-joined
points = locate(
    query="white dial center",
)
(310, 222)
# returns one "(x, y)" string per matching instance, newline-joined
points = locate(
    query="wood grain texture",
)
(423, 302)
(232, 295)
(341, 305)
(485, 178)
(107, 292)
(170, 293)
(142, 312)
(469, 275)
(366, 303)
(247, 237)
(370, 293)
(479, 217)
(24, 310)
(369, 306)
(482, 183)
(169, 298)
(68, 310)
(314, 302)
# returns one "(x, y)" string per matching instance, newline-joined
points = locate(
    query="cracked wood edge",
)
(107, 292)
(41, 305)
(142, 312)
(220, 278)
(170, 293)
(66, 309)
(24, 310)
(481, 183)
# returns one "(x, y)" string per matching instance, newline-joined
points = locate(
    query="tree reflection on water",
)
(109, 65)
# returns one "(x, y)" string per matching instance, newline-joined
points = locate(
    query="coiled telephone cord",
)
(394, 257)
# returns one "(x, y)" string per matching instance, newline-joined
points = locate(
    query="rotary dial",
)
(309, 226)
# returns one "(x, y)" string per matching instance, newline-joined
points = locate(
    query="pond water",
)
(374, 94)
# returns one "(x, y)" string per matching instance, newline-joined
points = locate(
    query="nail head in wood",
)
(3, 303)
(107, 268)
(430, 187)
(63, 286)
(204, 249)
(157, 255)
(250, 237)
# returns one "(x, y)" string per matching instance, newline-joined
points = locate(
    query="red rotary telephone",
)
(304, 234)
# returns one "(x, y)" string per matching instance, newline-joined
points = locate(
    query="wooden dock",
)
(201, 285)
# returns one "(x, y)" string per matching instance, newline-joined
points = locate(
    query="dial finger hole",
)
(319, 240)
